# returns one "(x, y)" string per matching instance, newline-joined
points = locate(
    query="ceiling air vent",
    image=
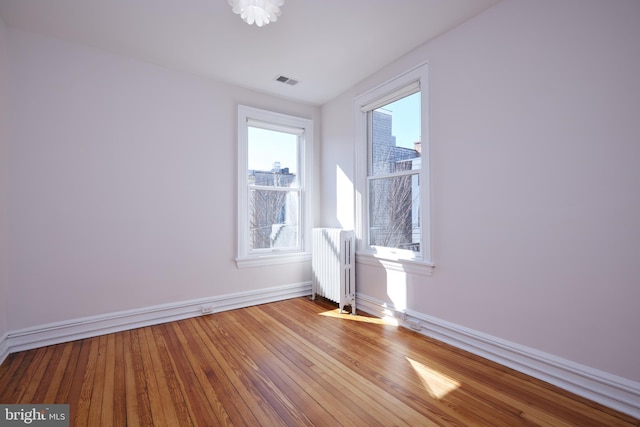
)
(287, 80)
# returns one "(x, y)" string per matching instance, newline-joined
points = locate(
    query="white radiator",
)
(333, 264)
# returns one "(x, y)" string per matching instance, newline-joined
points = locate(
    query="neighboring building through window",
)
(273, 194)
(273, 187)
(394, 176)
(392, 180)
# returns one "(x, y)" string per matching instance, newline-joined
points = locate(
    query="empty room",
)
(300, 212)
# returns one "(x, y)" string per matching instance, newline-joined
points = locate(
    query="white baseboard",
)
(612, 391)
(70, 330)
(607, 389)
(4, 348)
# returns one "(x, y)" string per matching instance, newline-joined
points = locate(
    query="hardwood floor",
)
(294, 362)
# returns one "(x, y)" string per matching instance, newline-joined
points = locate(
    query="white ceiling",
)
(328, 45)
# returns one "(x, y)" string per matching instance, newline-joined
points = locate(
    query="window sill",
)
(395, 264)
(272, 259)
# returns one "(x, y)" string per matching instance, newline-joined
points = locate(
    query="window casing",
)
(274, 182)
(392, 181)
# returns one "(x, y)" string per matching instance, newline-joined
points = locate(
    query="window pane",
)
(396, 136)
(394, 212)
(272, 158)
(273, 219)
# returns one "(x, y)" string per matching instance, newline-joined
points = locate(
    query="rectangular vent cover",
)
(287, 80)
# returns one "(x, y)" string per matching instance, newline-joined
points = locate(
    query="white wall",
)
(4, 188)
(535, 140)
(122, 184)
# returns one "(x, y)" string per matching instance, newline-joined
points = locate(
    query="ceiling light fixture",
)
(259, 11)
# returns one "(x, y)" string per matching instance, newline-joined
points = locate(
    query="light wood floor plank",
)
(295, 362)
(365, 377)
(58, 368)
(84, 378)
(119, 408)
(65, 385)
(9, 366)
(161, 407)
(36, 375)
(238, 369)
(323, 364)
(132, 413)
(216, 378)
(175, 398)
(109, 395)
(25, 389)
(291, 366)
(142, 380)
(277, 376)
(94, 417)
(191, 363)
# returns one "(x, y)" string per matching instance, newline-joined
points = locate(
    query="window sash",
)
(403, 85)
(371, 172)
(247, 254)
(284, 224)
(274, 126)
(398, 223)
(279, 184)
(395, 95)
(392, 174)
(390, 221)
(280, 180)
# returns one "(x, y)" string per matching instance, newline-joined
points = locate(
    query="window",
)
(392, 160)
(274, 173)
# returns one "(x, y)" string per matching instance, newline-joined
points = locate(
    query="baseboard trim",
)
(74, 329)
(4, 348)
(612, 391)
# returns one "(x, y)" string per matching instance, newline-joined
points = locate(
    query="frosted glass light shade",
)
(259, 11)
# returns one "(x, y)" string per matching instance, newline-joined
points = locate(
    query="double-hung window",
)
(274, 172)
(392, 159)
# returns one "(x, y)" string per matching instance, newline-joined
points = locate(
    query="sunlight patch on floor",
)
(357, 318)
(437, 384)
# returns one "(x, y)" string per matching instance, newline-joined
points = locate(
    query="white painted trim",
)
(74, 329)
(305, 131)
(4, 348)
(607, 389)
(273, 259)
(388, 90)
(397, 264)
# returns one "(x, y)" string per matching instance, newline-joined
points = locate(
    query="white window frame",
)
(391, 258)
(280, 122)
